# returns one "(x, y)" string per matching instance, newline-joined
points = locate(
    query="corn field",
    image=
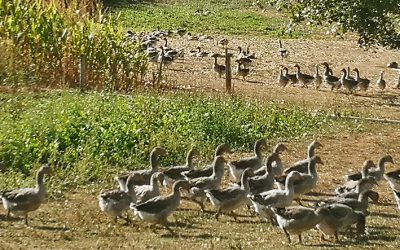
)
(44, 44)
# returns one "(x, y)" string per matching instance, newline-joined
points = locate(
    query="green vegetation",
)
(43, 43)
(92, 134)
(226, 17)
(376, 22)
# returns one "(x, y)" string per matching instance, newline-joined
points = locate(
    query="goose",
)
(331, 80)
(201, 53)
(146, 192)
(317, 78)
(381, 83)
(277, 165)
(283, 80)
(363, 83)
(243, 58)
(208, 170)
(164, 59)
(115, 202)
(181, 32)
(393, 178)
(308, 181)
(277, 198)
(377, 173)
(240, 53)
(339, 217)
(224, 42)
(218, 68)
(303, 78)
(302, 165)
(142, 177)
(229, 199)
(206, 38)
(249, 55)
(351, 185)
(191, 37)
(291, 77)
(368, 164)
(22, 201)
(246, 62)
(348, 76)
(193, 52)
(298, 219)
(243, 72)
(265, 182)
(282, 52)
(165, 47)
(157, 209)
(253, 162)
(198, 186)
(173, 174)
(360, 204)
(363, 185)
(347, 83)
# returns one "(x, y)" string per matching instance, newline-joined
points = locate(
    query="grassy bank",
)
(92, 134)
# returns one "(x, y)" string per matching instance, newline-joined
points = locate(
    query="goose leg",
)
(271, 219)
(164, 222)
(8, 214)
(300, 240)
(217, 213)
(200, 204)
(232, 214)
(287, 235)
(336, 237)
(26, 219)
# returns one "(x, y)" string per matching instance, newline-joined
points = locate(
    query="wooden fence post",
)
(228, 72)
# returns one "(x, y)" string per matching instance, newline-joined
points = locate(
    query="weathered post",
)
(228, 72)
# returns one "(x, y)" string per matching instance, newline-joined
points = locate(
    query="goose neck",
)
(154, 162)
(245, 182)
(257, 149)
(312, 170)
(154, 183)
(311, 151)
(289, 186)
(381, 164)
(40, 180)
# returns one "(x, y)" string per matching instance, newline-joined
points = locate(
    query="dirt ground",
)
(75, 221)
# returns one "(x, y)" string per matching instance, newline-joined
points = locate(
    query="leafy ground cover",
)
(70, 130)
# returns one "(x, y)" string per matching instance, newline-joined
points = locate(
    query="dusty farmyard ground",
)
(75, 222)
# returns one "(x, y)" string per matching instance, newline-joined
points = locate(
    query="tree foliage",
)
(375, 21)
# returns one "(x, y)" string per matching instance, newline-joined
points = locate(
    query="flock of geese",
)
(166, 55)
(261, 183)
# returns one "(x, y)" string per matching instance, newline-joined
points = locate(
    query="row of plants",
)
(96, 132)
(47, 43)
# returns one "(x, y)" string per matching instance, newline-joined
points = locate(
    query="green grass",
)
(226, 17)
(89, 135)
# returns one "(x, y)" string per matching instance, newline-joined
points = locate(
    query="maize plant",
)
(43, 43)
